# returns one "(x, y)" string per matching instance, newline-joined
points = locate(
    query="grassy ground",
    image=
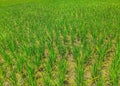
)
(59, 43)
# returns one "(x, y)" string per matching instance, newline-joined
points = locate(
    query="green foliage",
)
(47, 33)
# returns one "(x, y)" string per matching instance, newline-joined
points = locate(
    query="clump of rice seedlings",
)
(1, 78)
(100, 82)
(114, 69)
(80, 75)
(62, 67)
(49, 65)
(73, 35)
(52, 57)
(96, 69)
(79, 68)
(46, 81)
(50, 62)
(96, 72)
(13, 78)
(6, 57)
(62, 64)
(30, 73)
(87, 52)
(39, 55)
(62, 48)
(20, 63)
(102, 49)
(1, 83)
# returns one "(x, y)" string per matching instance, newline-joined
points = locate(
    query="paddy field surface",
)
(59, 43)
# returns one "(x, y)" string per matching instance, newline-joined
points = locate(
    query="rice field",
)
(59, 43)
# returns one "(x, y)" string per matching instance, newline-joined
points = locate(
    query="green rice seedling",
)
(79, 67)
(62, 71)
(37, 52)
(46, 81)
(52, 58)
(76, 53)
(6, 57)
(48, 69)
(19, 65)
(114, 69)
(11, 46)
(94, 35)
(1, 83)
(73, 36)
(102, 51)
(39, 55)
(30, 72)
(80, 75)
(87, 51)
(20, 62)
(81, 79)
(50, 44)
(13, 78)
(114, 75)
(96, 74)
(1, 77)
(58, 41)
(100, 82)
(84, 32)
(64, 33)
(26, 49)
(62, 49)
(51, 61)
(96, 70)
(68, 28)
(48, 77)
